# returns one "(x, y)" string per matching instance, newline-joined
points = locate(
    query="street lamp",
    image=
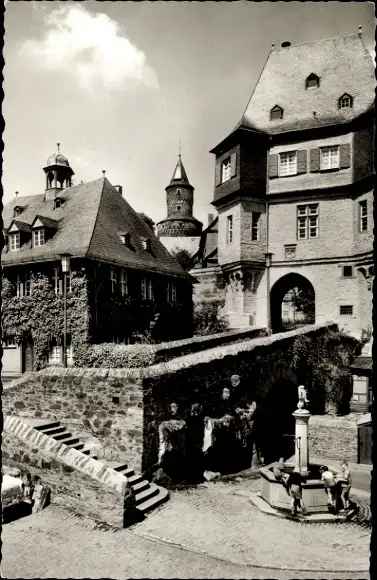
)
(66, 268)
(268, 257)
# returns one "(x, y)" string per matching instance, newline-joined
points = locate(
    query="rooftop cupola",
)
(58, 174)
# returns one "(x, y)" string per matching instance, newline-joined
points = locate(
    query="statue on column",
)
(302, 398)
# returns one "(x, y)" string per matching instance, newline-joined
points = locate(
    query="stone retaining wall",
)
(333, 437)
(76, 480)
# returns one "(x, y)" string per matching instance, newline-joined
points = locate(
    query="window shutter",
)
(272, 166)
(344, 156)
(314, 160)
(301, 161)
(218, 174)
(60, 282)
(233, 164)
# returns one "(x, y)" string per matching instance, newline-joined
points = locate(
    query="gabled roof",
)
(21, 226)
(46, 222)
(89, 226)
(343, 65)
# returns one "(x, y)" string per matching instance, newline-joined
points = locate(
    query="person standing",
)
(328, 478)
(294, 488)
(345, 481)
(171, 456)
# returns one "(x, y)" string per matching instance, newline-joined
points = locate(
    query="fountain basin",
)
(313, 491)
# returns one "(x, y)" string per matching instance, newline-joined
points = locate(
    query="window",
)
(55, 356)
(346, 310)
(226, 170)
(171, 292)
(363, 215)
(312, 81)
(329, 158)
(307, 221)
(178, 193)
(229, 229)
(9, 342)
(59, 202)
(143, 283)
(288, 163)
(113, 280)
(150, 289)
(17, 211)
(178, 208)
(276, 113)
(123, 283)
(347, 271)
(255, 218)
(14, 242)
(38, 237)
(345, 101)
(27, 286)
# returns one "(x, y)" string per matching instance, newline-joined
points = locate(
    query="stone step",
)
(121, 467)
(143, 496)
(53, 430)
(127, 472)
(135, 478)
(71, 441)
(47, 425)
(154, 501)
(77, 446)
(86, 452)
(63, 435)
(140, 486)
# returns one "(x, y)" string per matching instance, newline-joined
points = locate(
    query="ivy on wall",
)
(39, 317)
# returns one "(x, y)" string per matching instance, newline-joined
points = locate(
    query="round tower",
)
(58, 174)
(179, 200)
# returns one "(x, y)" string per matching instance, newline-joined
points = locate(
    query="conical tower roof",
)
(180, 175)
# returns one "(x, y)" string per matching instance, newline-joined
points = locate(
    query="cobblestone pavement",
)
(214, 520)
(57, 544)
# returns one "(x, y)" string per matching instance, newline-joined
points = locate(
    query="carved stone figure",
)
(172, 435)
(302, 398)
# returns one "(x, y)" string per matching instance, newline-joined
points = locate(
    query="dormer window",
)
(345, 101)
(276, 113)
(14, 242)
(18, 211)
(58, 202)
(147, 244)
(312, 81)
(38, 237)
(125, 239)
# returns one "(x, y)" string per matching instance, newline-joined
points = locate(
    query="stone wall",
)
(76, 481)
(105, 412)
(333, 437)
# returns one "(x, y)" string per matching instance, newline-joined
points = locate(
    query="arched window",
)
(345, 101)
(312, 81)
(276, 113)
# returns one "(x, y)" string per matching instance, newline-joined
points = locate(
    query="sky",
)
(123, 85)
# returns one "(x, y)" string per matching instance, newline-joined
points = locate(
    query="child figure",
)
(329, 482)
(345, 483)
(294, 488)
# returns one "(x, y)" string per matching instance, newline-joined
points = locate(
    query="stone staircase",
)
(147, 495)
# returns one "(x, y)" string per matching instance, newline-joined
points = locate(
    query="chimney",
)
(119, 189)
(210, 218)
(285, 44)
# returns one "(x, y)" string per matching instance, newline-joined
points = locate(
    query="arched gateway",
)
(292, 303)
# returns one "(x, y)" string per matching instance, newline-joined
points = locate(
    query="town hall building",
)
(294, 192)
(119, 280)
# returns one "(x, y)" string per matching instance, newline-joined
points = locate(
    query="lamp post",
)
(66, 268)
(268, 257)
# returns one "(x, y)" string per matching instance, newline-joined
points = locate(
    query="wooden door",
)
(365, 443)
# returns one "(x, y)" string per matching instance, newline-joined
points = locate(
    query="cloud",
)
(91, 48)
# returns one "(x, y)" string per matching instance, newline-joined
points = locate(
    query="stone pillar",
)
(301, 439)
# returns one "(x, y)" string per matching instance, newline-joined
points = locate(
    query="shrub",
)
(109, 355)
(208, 319)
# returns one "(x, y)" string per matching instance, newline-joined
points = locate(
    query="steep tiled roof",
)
(343, 66)
(90, 223)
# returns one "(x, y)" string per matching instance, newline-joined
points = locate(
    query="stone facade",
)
(259, 203)
(333, 437)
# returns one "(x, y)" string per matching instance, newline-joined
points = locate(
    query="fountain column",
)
(302, 416)
(301, 439)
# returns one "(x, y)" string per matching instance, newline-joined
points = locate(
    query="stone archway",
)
(275, 424)
(292, 303)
